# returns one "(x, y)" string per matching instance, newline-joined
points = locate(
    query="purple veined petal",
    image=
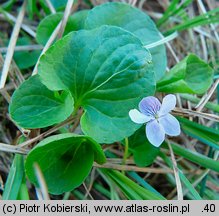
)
(138, 117)
(155, 133)
(149, 106)
(168, 104)
(170, 124)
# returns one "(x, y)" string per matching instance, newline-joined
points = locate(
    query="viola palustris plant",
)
(112, 93)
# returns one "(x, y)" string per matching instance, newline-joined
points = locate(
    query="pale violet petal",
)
(149, 106)
(155, 133)
(170, 124)
(138, 117)
(168, 104)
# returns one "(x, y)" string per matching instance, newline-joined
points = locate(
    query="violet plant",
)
(99, 72)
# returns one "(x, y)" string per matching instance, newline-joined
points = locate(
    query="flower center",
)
(156, 116)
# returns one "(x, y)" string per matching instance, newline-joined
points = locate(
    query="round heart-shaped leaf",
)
(132, 20)
(65, 161)
(108, 71)
(33, 105)
(191, 75)
(48, 25)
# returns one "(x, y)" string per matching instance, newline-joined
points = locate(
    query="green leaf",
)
(183, 178)
(143, 182)
(191, 75)
(65, 161)
(135, 21)
(8, 5)
(144, 153)
(107, 71)
(207, 18)
(59, 4)
(35, 106)
(195, 157)
(14, 179)
(32, 8)
(209, 105)
(132, 190)
(175, 9)
(48, 25)
(23, 192)
(209, 136)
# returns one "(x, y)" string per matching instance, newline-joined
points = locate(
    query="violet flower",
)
(159, 121)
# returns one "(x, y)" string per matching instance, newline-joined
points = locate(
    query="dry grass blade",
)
(25, 132)
(23, 48)
(172, 52)
(13, 71)
(132, 168)
(202, 7)
(3, 91)
(197, 181)
(120, 161)
(46, 133)
(46, 47)
(13, 149)
(6, 95)
(53, 36)
(12, 44)
(42, 182)
(187, 112)
(87, 192)
(207, 96)
(176, 173)
(163, 40)
(204, 33)
(25, 27)
(67, 13)
(50, 6)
